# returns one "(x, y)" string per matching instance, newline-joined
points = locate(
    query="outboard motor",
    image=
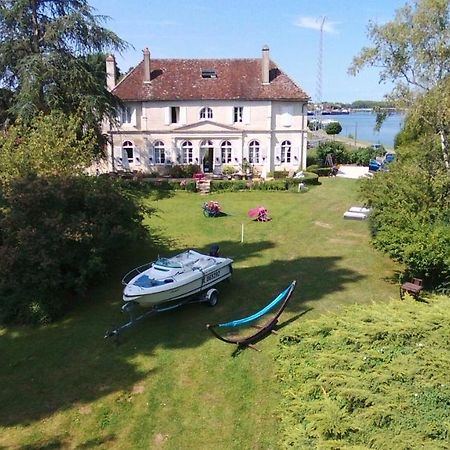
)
(214, 250)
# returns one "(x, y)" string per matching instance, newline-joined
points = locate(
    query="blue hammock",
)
(237, 323)
(280, 300)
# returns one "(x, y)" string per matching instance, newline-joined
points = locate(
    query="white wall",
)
(269, 122)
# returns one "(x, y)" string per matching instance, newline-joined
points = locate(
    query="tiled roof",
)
(181, 79)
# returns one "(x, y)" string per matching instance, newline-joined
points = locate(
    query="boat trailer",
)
(210, 297)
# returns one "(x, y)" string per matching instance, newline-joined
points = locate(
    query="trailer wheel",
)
(212, 297)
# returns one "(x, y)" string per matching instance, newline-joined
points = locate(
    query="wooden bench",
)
(413, 288)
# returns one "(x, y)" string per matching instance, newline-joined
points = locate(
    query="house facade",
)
(244, 113)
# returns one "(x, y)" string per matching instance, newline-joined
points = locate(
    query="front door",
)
(207, 150)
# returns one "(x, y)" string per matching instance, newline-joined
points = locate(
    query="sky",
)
(240, 28)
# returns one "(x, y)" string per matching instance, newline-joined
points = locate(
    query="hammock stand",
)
(280, 300)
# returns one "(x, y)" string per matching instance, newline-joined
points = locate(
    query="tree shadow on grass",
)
(60, 441)
(68, 364)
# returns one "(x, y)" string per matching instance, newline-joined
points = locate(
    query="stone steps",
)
(204, 186)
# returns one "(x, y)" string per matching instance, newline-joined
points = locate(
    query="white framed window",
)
(238, 112)
(187, 152)
(206, 113)
(159, 152)
(126, 115)
(253, 152)
(225, 147)
(286, 151)
(128, 151)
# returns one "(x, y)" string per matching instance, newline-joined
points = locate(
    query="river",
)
(360, 126)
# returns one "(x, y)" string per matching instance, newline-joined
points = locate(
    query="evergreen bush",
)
(371, 377)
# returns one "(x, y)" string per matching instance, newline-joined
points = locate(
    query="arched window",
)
(186, 150)
(286, 152)
(206, 145)
(206, 113)
(128, 151)
(253, 152)
(225, 147)
(160, 153)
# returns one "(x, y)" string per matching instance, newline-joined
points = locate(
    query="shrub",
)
(362, 156)
(308, 178)
(311, 158)
(333, 128)
(228, 170)
(341, 375)
(228, 185)
(57, 236)
(319, 171)
(182, 171)
(191, 186)
(280, 174)
(337, 150)
(272, 185)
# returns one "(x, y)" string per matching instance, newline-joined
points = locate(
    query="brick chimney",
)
(147, 72)
(265, 63)
(110, 72)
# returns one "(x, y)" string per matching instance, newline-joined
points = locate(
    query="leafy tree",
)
(46, 49)
(411, 212)
(51, 144)
(6, 99)
(333, 128)
(57, 236)
(413, 51)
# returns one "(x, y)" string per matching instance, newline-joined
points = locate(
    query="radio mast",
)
(318, 108)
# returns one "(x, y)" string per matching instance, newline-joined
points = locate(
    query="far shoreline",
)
(320, 135)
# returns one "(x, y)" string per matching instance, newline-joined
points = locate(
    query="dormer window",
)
(206, 113)
(209, 73)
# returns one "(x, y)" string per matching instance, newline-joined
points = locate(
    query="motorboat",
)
(181, 276)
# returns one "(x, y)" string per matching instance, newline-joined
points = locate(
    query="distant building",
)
(210, 112)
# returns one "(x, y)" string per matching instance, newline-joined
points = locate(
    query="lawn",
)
(169, 384)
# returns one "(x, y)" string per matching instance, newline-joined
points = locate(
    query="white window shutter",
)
(125, 163)
(167, 115)
(246, 115)
(151, 154)
(262, 153)
(137, 155)
(117, 155)
(277, 159)
(133, 111)
(232, 115)
(183, 115)
(286, 119)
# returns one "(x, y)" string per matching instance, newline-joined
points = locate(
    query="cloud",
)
(314, 23)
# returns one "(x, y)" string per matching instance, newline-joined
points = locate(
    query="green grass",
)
(170, 384)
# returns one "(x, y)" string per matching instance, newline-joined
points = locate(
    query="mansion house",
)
(209, 112)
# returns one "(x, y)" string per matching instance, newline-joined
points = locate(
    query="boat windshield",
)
(167, 263)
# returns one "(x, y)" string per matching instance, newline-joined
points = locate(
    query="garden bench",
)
(413, 288)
